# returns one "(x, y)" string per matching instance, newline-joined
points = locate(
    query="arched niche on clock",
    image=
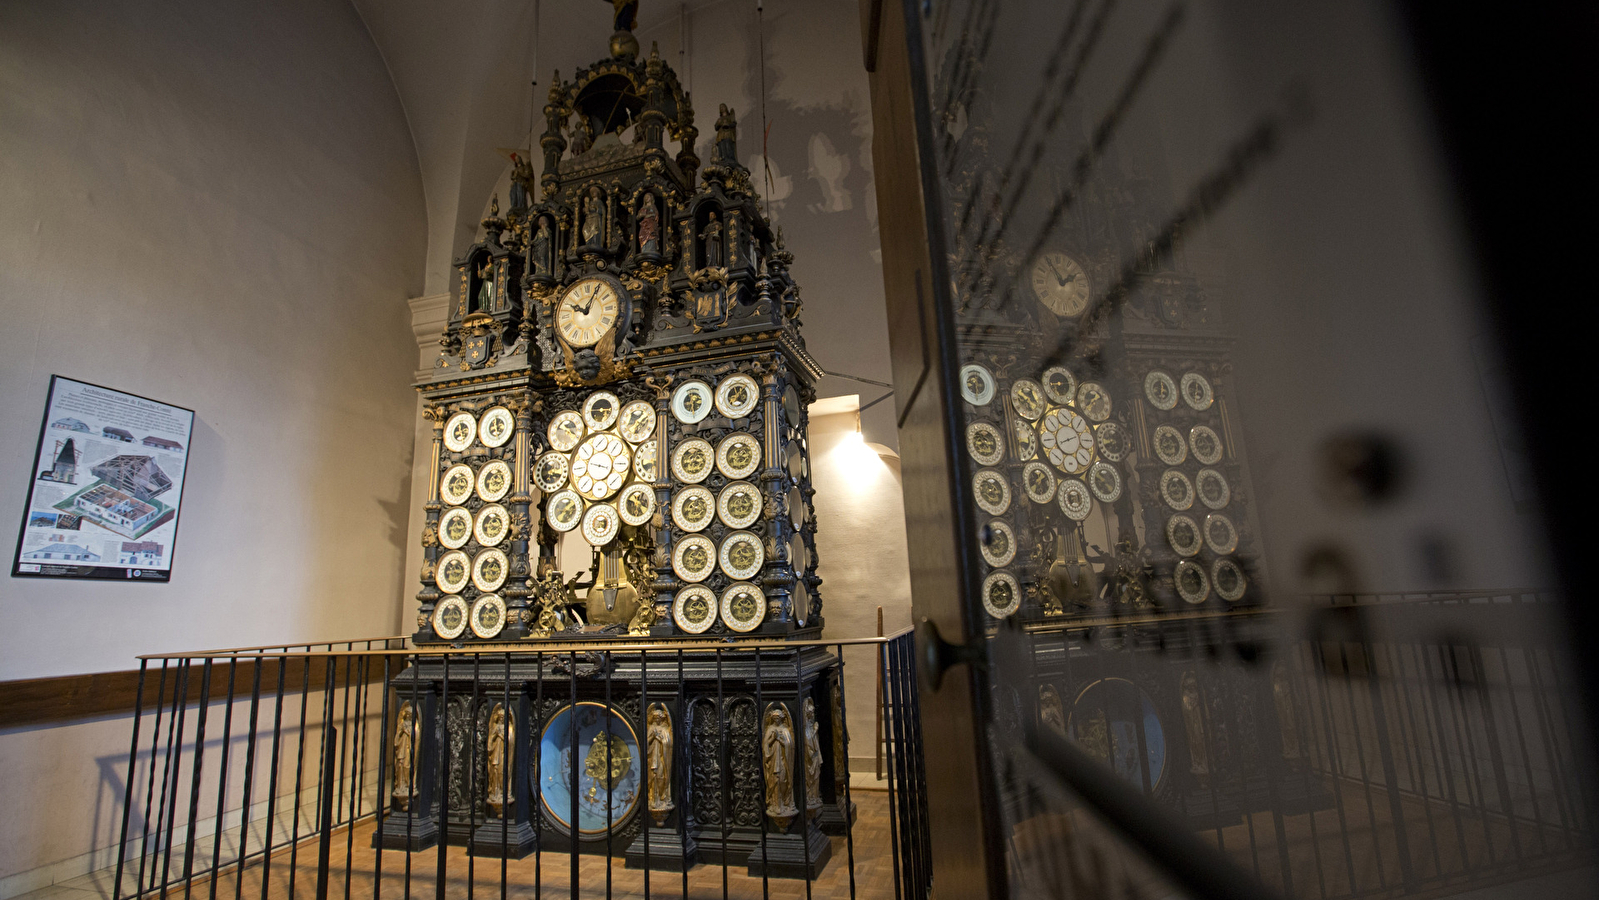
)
(709, 235)
(543, 250)
(650, 214)
(481, 287)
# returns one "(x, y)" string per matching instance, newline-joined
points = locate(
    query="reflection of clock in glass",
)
(637, 421)
(693, 508)
(549, 473)
(692, 402)
(488, 616)
(998, 543)
(694, 558)
(600, 524)
(1002, 595)
(1112, 441)
(1228, 579)
(493, 523)
(455, 528)
(566, 429)
(1207, 446)
(977, 385)
(588, 309)
(1093, 401)
(453, 571)
(1220, 534)
(1026, 440)
(496, 427)
(742, 555)
(1074, 499)
(1211, 486)
(600, 466)
(599, 410)
(743, 607)
(1105, 481)
(636, 503)
(992, 491)
(456, 485)
(1039, 482)
(1196, 391)
(1068, 441)
(1175, 490)
(1160, 390)
(1191, 583)
(1060, 284)
(459, 432)
(1027, 397)
(489, 570)
(1183, 535)
(564, 510)
(1059, 385)
(1169, 446)
(694, 609)
(736, 396)
(691, 461)
(644, 462)
(494, 481)
(449, 618)
(982, 441)
(738, 455)
(739, 504)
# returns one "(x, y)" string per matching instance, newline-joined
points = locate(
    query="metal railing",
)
(370, 766)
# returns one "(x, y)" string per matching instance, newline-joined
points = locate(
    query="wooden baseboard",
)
(69, 698)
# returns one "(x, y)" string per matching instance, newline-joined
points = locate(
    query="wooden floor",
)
(533, 877)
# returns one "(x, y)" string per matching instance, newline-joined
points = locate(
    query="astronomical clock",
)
(620, 453)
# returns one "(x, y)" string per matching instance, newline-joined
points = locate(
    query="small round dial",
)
(565, 430)
(637, 422)
(587, 311)
(1061, 284)
(636, 503)
(599, 467)
(549, 473)
(599, 410)
(1067, 440)
(1027, 398)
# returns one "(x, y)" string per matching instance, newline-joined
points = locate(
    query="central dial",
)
(600, 466)
(588, 310)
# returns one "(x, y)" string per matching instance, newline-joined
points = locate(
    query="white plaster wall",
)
(217, 205)
(861, 556)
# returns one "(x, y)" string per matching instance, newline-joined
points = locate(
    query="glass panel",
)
(1256, 529)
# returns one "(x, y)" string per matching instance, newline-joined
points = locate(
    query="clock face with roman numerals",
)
(588, 310)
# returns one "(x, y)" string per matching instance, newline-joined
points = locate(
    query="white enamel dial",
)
(599, 467)
(1068, 441)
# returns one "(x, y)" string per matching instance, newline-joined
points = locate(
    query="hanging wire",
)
(766, 129)
(533, 98)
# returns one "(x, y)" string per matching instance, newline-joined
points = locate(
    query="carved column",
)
(666, 583)
(429, 594)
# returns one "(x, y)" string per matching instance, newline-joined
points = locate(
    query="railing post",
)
(330, 775)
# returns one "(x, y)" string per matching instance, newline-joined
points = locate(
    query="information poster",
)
(106, 483)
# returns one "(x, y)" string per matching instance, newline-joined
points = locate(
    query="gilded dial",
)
(587, 311)
(1067, 440)
(600, 466)
(1061, 284)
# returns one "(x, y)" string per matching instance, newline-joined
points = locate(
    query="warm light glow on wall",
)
(859, 463)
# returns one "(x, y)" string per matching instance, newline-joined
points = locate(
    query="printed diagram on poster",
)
(106, 484)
